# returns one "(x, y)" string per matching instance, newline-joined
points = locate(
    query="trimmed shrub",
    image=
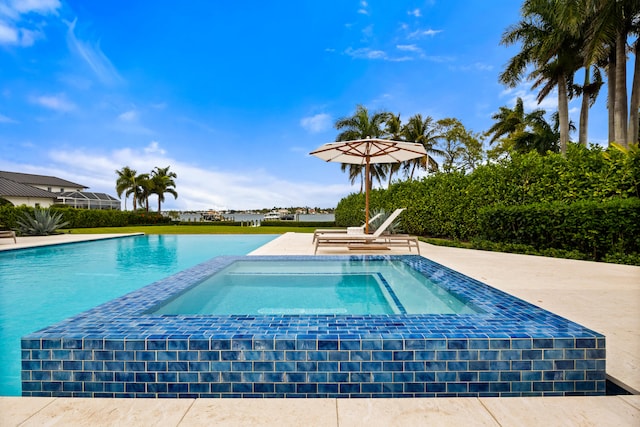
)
(590, 227)
(527, 196)
(85, 218)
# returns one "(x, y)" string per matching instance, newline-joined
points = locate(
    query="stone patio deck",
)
(603, 297)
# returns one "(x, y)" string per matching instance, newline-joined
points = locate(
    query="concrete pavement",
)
(603, 297)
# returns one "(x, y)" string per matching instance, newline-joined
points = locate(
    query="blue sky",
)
(234, 95)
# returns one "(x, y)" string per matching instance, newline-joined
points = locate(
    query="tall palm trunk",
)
(563, 113)
(611, 96)
(632, 134)
(620, 104)
(584, 108)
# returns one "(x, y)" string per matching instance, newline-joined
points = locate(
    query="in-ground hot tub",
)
(494, 345)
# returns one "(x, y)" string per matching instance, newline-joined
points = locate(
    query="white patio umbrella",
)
(367, 151)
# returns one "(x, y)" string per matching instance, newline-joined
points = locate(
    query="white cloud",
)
(408, 47)
(93, 56)
(317, 123)
(8, 34)
(58, 102)
(41, 7)
(529, 101)
(198, 187)
(363, 8)
(424, 33)
(477, 66)
(29, 37)
(367, 32)
(483, 67)
(18, 31)
(5, 119)
(400, 59)
(440, 59)
(366, 53)
(129, 116)
(154, 148)
(12, 35)
(414, 12)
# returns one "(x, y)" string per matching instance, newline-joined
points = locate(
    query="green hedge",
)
(10, 214)
(593, 228)
(86, 218)
(316, 224)
(589, 182)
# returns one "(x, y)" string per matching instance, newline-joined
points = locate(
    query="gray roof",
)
(87, 195)
(31, 179)
(16, 189)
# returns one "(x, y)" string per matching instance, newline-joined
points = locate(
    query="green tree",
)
(393, 129)
(508, 122)
(360, 126)
(548, 47)
(143, 190)
(473, 153)
(456, 141)
(609, 25)
(162, 181)
(589, 91)
(127, 183)
(426, 132)
(522, 131)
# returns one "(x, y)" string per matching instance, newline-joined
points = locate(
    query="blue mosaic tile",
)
(509, 348)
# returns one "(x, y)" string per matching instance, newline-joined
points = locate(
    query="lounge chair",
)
(9, 234)
(349, 230)
(377, 240)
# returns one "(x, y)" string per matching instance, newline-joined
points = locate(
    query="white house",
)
(44, 191)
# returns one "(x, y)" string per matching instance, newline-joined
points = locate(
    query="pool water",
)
(316, 287)
(42, 286)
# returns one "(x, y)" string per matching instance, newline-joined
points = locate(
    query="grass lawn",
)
(191, 229)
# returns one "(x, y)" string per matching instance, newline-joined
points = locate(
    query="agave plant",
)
(43, 223)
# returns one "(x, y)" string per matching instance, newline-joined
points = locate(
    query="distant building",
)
(44, 191)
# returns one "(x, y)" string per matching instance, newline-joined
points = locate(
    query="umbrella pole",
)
(367, 184)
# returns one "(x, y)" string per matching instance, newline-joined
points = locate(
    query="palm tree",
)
(360, 126)
(143, 190)
(539, 135)
(427, 133)
(126, 183)
(609, 24)
(394, 130)
(550, 49)
(524, 131)
(162, 181)
(508, 122)
(589, 91)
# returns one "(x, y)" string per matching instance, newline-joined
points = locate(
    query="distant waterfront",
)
(244, 217)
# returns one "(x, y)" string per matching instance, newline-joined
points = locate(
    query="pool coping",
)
(29, 242)
(127, 313)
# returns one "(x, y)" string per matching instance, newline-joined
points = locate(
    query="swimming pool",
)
(44, 285)
(316, 286)
(507, 348)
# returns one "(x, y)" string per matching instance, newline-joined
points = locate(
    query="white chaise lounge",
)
(321, 231)
(377, 240)
(9, 234)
